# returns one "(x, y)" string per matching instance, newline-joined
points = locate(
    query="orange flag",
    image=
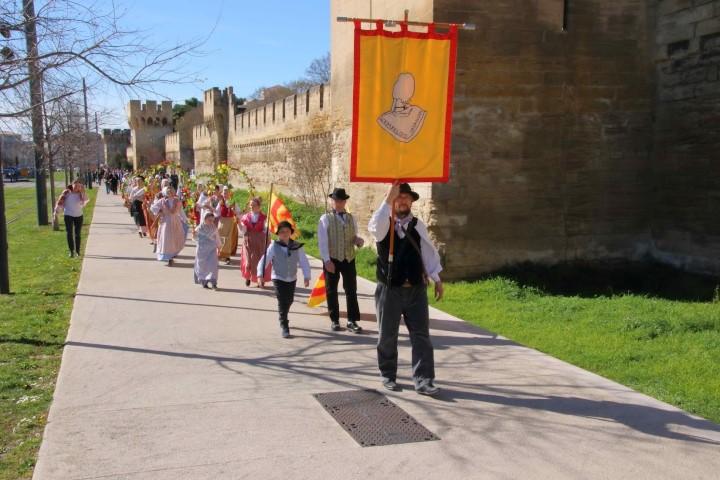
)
(318, 294)
(279, 213)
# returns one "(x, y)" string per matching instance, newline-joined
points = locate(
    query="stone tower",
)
(215, 116)
(149, 123)
(115, 146)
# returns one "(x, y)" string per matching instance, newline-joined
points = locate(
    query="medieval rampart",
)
(262, 141)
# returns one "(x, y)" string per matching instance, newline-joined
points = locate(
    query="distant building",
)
(115, 146)
(15, 151)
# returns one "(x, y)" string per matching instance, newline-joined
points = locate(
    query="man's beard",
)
(402, 212)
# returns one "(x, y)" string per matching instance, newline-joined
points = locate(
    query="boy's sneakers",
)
(354, 327)
(335, 326)
(285, 331)
(390, 385)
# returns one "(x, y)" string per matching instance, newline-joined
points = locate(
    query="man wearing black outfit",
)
(401, 288)
(337, 239)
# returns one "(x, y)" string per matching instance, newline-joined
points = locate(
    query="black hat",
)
(284, 224)
(405, 188)
(339, 194)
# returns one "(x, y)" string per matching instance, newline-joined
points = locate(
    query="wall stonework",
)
(179, 144)
(115, 145)
(261, 140)
(594, 142)
(149, 123)
(685, 226)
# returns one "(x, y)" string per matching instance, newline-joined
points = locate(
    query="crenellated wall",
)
(260, 141)
(149, 123)
(179, 144)
(598, 141)
(115, 145)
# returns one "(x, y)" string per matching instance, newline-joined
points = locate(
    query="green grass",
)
(663, 340)
(667, 349)
(33, 326)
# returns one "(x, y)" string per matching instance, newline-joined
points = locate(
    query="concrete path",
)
(161, 379)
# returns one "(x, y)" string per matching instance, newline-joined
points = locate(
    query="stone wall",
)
(551, 136)
(685, 226)
(365, 197)
(261, 141)
(115, 145)
(179, 144)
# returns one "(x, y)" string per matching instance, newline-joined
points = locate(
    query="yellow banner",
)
(402, 104)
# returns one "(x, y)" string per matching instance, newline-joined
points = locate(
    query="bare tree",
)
(86, 39)
(319, 70)
(310, 163)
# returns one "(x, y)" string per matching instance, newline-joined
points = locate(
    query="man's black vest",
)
(407, 264)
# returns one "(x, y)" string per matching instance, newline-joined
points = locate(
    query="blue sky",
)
(251, 43)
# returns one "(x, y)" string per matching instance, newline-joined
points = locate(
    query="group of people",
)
(112, 178)
(402, 277)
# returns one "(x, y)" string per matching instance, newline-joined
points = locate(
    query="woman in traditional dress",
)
(252, 226)
(137, 197)
(171, 232)
(227, 225)
(206, 254)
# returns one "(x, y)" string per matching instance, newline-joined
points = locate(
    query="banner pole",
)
(391, 23)
(391, 253)
(267, 234)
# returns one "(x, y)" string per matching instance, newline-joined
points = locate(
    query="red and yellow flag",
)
(402, 103)
(280, 213)
(318, 294)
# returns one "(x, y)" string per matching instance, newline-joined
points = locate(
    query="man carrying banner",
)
(337, 239)
(401, 288)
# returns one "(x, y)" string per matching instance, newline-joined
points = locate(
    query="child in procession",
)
(206, 254)
(285, 255)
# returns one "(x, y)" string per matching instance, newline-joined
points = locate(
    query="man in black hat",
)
(401, 288)
(337, 239)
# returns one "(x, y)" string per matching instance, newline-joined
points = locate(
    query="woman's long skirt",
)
(137, 212)
(170, 237)
(227, 228)
(253, 249)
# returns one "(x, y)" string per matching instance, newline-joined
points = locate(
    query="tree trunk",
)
(36, 105)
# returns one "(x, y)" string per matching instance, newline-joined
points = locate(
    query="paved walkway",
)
(161, 379)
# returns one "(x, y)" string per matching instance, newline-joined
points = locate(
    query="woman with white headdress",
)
(226, 212)
(171, 230)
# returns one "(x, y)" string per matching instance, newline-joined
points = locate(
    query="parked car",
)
(11, 173)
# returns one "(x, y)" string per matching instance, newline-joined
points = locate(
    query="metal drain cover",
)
(371, 419)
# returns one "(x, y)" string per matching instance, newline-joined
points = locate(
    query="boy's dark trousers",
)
(73, 237)
(349, 276)
(411, 304)
(285, 293)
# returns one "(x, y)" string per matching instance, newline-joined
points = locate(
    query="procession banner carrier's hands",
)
(329, 266)
(392, 193)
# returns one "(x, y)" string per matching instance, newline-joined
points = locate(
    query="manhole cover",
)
(371, 419)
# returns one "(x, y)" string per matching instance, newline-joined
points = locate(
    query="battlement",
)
(150, 114)
(299, 107)
(216, 104)
(115, 133)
